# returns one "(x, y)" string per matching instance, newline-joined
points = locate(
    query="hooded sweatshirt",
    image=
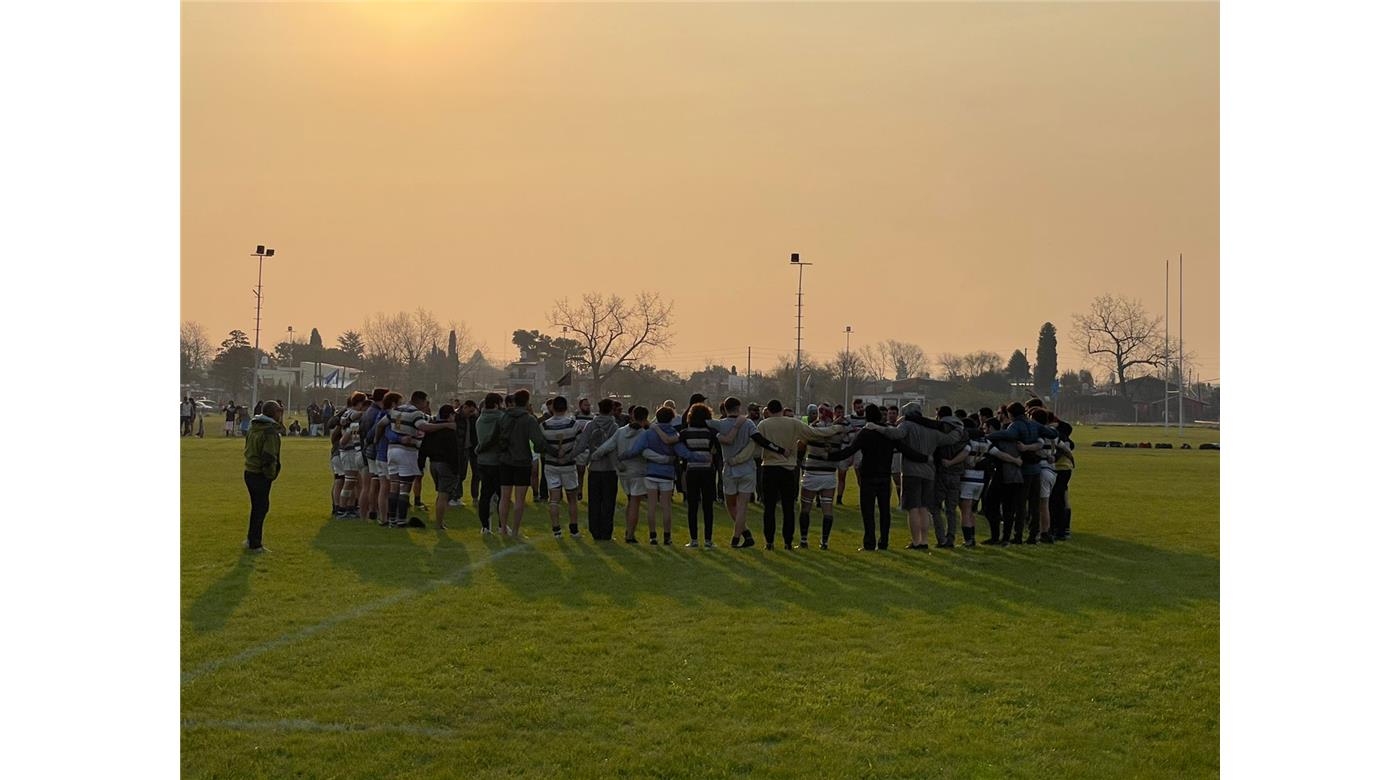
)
(924, 436)
(486, 424)
(521, 429)
(262, 448)
(595, 434)
(619, 447)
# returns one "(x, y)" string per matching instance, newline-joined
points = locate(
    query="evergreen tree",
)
(1046, 360)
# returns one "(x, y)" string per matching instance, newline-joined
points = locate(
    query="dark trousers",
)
(602, 503)
(872, 492)
(700, 497)
(779, 485)
(1059, 503)
(991, 507)
(1013, 507)
(259, 492)
(490, 491)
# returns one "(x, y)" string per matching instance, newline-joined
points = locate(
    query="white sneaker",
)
(709, 543)
(486, 532)
(692, 543)
(454, 502)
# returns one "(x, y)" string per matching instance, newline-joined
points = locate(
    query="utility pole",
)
(748, 376)
(796, 260)
(1167, 348)
(262, 253)
(290, 336)
(846, 363)
(1180, 349)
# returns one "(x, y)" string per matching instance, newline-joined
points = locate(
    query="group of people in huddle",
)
(1012, 465)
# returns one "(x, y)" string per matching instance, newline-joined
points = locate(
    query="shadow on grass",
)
(212, 608)
(1088, 574)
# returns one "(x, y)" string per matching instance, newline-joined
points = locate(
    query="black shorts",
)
(515, 476)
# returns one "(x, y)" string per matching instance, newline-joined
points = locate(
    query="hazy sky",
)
(959, 173)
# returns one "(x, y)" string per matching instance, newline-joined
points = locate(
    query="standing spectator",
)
(187, 416)
(327, 411)
(242, 421)
(602, 473)
(262, 462)
(313, 418)
(465, 416)
(230, 415)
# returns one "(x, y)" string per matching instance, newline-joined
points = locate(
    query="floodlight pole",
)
(796, 260)
(846, 362)
(261, 253)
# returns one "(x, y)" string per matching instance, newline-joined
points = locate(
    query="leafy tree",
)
(1046, 361)
(236, 338)
(232, 368)
(351, 344)
(1018, 369)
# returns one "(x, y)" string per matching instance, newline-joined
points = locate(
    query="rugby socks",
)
(573, 529)
(969, 533)
(804, 524)
(827, 522)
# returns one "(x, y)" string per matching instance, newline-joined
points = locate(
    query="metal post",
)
(1180, 349)
(796, 260)
(1167, 348)
(846, 363)
(261, 253)
(748, 377)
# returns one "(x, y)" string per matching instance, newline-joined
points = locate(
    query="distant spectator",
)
(230, 415)
(327, 411)
(313, 418)
(187, 416)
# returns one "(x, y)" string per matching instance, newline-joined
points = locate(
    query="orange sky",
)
(959, 173)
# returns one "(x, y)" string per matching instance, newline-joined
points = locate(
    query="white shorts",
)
(970, 491)
(818, 480)
(743, 483)
(378, 468)
(335, 464)
(1047, 482)
(661, 485)
(855, 460)
(634, 486)
(556, 477)
(351, 462)
(403, 462)
(228, 426)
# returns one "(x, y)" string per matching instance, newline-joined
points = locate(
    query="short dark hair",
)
(605, 406)
(1035, 402)
(698, 414)
(521, 397)
(418, 395)
(986, 411)
(559, 404)
(729, 404)
(469, 402)
(640, 413)
(492, 400)
(665, 414)
(392, 399)
(945, 411)
(445, 411)
(874, 413)
(378, 394)
(775, 406)
(356, 398)
(1040, 415)
(1016, 409)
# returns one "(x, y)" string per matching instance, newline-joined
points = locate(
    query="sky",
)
(957, 173)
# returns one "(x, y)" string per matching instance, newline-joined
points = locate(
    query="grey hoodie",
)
(919, 433)
(595, 434)
(623, 441)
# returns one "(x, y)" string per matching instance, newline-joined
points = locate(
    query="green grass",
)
(356, 651)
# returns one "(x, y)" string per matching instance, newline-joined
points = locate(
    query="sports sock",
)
(827, 522)
(968, 533)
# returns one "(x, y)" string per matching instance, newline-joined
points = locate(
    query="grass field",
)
(357, 651)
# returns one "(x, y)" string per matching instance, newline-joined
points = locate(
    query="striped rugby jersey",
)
(818, 449)
(406, 423)
(350, 422)
(562, 432)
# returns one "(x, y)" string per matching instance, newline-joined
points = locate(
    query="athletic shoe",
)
(802, 544)
(631, 540)
(558, 534)
(823, 545)
(692, 543)
(652, 540)
(709, 544)
(969, 544)
(1004, 543)
(992, 540)
(768, 545)
(573, 530)
(948, 545)
(254, 550)
(454, 502)
(736, 542)
(911, 546)
(1017, 540)
(418, 504)
(1047, 538)
(750, 542)
(863, 548)
(486, 532)
(787, 545)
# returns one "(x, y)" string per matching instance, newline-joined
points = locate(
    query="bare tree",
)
(982, 362)
(848, 364)
(875, 361)
(195, 349)
(1116, 333)
(954, 366)
(614, 333)
(907, 359)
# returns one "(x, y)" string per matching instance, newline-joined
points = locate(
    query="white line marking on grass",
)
(316, 726)
(335, 620)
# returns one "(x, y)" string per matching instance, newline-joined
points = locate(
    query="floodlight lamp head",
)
(796, 258)
(270, 252)
(261, 249)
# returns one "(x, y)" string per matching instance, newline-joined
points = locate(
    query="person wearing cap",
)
(918, 498)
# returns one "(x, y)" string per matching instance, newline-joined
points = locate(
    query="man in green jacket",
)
(488, 462)
(262, 462)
